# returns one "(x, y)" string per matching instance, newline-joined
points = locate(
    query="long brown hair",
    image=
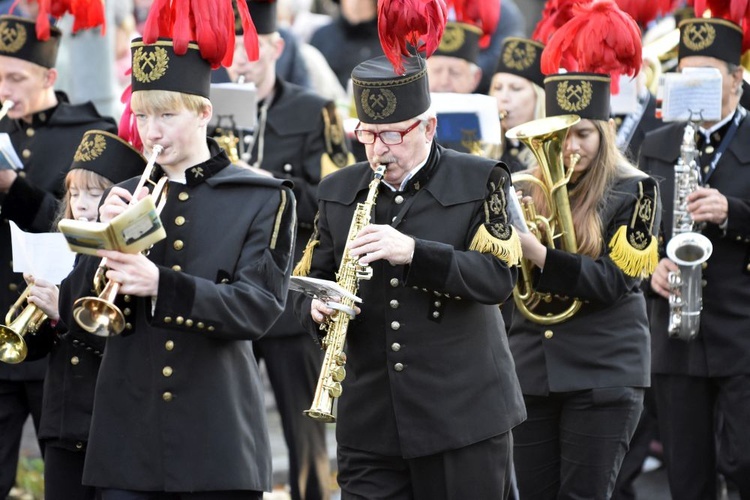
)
(82, 179)
(591, 192)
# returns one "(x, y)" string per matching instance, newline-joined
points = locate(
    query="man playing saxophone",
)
(695, 382)
(430, 395)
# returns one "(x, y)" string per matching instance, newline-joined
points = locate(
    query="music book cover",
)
(324, 290)
(133, 231)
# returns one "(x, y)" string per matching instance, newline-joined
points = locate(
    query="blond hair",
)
(156, 101)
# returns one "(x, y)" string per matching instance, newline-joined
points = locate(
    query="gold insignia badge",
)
(519, 55)
(699, 36)
(91, 147)
(198, 172)
(12, 37)
(453, 38)
(378, 103)
(574, 97)
(150, 65)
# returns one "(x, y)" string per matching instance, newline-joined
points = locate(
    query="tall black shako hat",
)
(522, 57)
(394, 87)
(157, 66)
(598, 44)
(263, 13)
(109, 156)
(460, 40)
(18, 39)
(710, 37)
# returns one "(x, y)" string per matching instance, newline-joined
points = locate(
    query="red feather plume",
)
(646, 11)
(485, 14)
(86, 14)
(555, 14)
(600, 38)
(210, 23)
(737, 11)
(402, 24)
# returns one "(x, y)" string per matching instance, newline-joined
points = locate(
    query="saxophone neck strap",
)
(739, 115)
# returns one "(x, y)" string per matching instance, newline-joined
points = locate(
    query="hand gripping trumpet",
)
(350, 272)
(13, 348)
(99, 315)
(687, 248)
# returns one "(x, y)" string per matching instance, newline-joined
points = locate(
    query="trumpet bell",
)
(13, 348)
(98, 316)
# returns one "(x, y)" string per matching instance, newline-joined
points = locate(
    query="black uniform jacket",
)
(428, 367)
(606, 343)
(301, 130)
(179, 400)
(46, 147)
(722, 347)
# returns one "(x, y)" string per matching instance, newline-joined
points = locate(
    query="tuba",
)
(350, 273)
(13, 348)
(99, 315)
(687, 248)
(545, 138)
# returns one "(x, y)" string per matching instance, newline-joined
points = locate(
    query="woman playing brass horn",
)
(583, 374)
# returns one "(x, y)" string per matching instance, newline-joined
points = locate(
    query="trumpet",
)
(13, 348)
(99, 315)
(7, 106)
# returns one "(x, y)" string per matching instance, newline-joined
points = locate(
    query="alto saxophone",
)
(336, 325)
(687, 248)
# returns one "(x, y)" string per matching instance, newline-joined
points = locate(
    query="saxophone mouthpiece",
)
(380, 170)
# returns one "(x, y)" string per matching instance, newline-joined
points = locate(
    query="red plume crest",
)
(600, 38)
(737, 11)
(402, 24)
(555, 14)
(646, 11)
(485, 14)
(210, 23)
(86, 13)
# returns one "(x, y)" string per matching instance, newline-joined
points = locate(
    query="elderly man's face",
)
(401, 158)
(452, 74)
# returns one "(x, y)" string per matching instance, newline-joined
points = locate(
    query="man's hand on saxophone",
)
(379, 241)
(660, 278)
(708, 205)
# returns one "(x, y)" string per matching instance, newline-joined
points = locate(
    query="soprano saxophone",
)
(687, 248)
(336, 325)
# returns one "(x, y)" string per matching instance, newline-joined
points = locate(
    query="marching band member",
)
(44, 130)
(101, 160)
(701, 386)
(582, 371)
(429, 342)
(178, 406)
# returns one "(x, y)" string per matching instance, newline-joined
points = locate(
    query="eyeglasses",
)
(387, 137)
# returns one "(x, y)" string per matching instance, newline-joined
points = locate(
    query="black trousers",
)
(478, 471)
(63, 474)
(704, 424)
(572, 444)
(293, 365)
(18, 399)
(113, 494)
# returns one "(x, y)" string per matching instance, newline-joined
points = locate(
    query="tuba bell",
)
(545, 138)
(99, 315)
(13, 348)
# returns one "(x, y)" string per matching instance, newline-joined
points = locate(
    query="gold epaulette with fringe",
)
(509, 251)
(633, 248)
(337, 154)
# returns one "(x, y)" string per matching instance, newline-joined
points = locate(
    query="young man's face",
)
(25, 84)
(181, 132)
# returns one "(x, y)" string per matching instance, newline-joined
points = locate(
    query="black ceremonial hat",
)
(522, 57)
(263, 13)
(381, 96)
(18, 39)
(460, 40)
(109, 156)
(584, 94)
(711, 37)
(157, 67)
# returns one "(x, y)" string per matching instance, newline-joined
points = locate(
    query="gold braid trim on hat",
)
(390, 83)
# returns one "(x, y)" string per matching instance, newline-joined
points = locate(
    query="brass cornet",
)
(99, 315)
(13, 348)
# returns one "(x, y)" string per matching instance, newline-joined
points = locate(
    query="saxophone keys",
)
(338, 374)
(335, 390)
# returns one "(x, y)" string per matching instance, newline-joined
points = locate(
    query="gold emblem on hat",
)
(91, 147)
(699, 36)
(149, 66)
(378, 103)
(519, 55)
(12, 37)
(574, 97)
(453, 38)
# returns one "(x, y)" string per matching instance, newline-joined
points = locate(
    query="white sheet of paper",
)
(625, 101)
(44, 255)
(693, 94)
(8, 156)
(484, 106)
